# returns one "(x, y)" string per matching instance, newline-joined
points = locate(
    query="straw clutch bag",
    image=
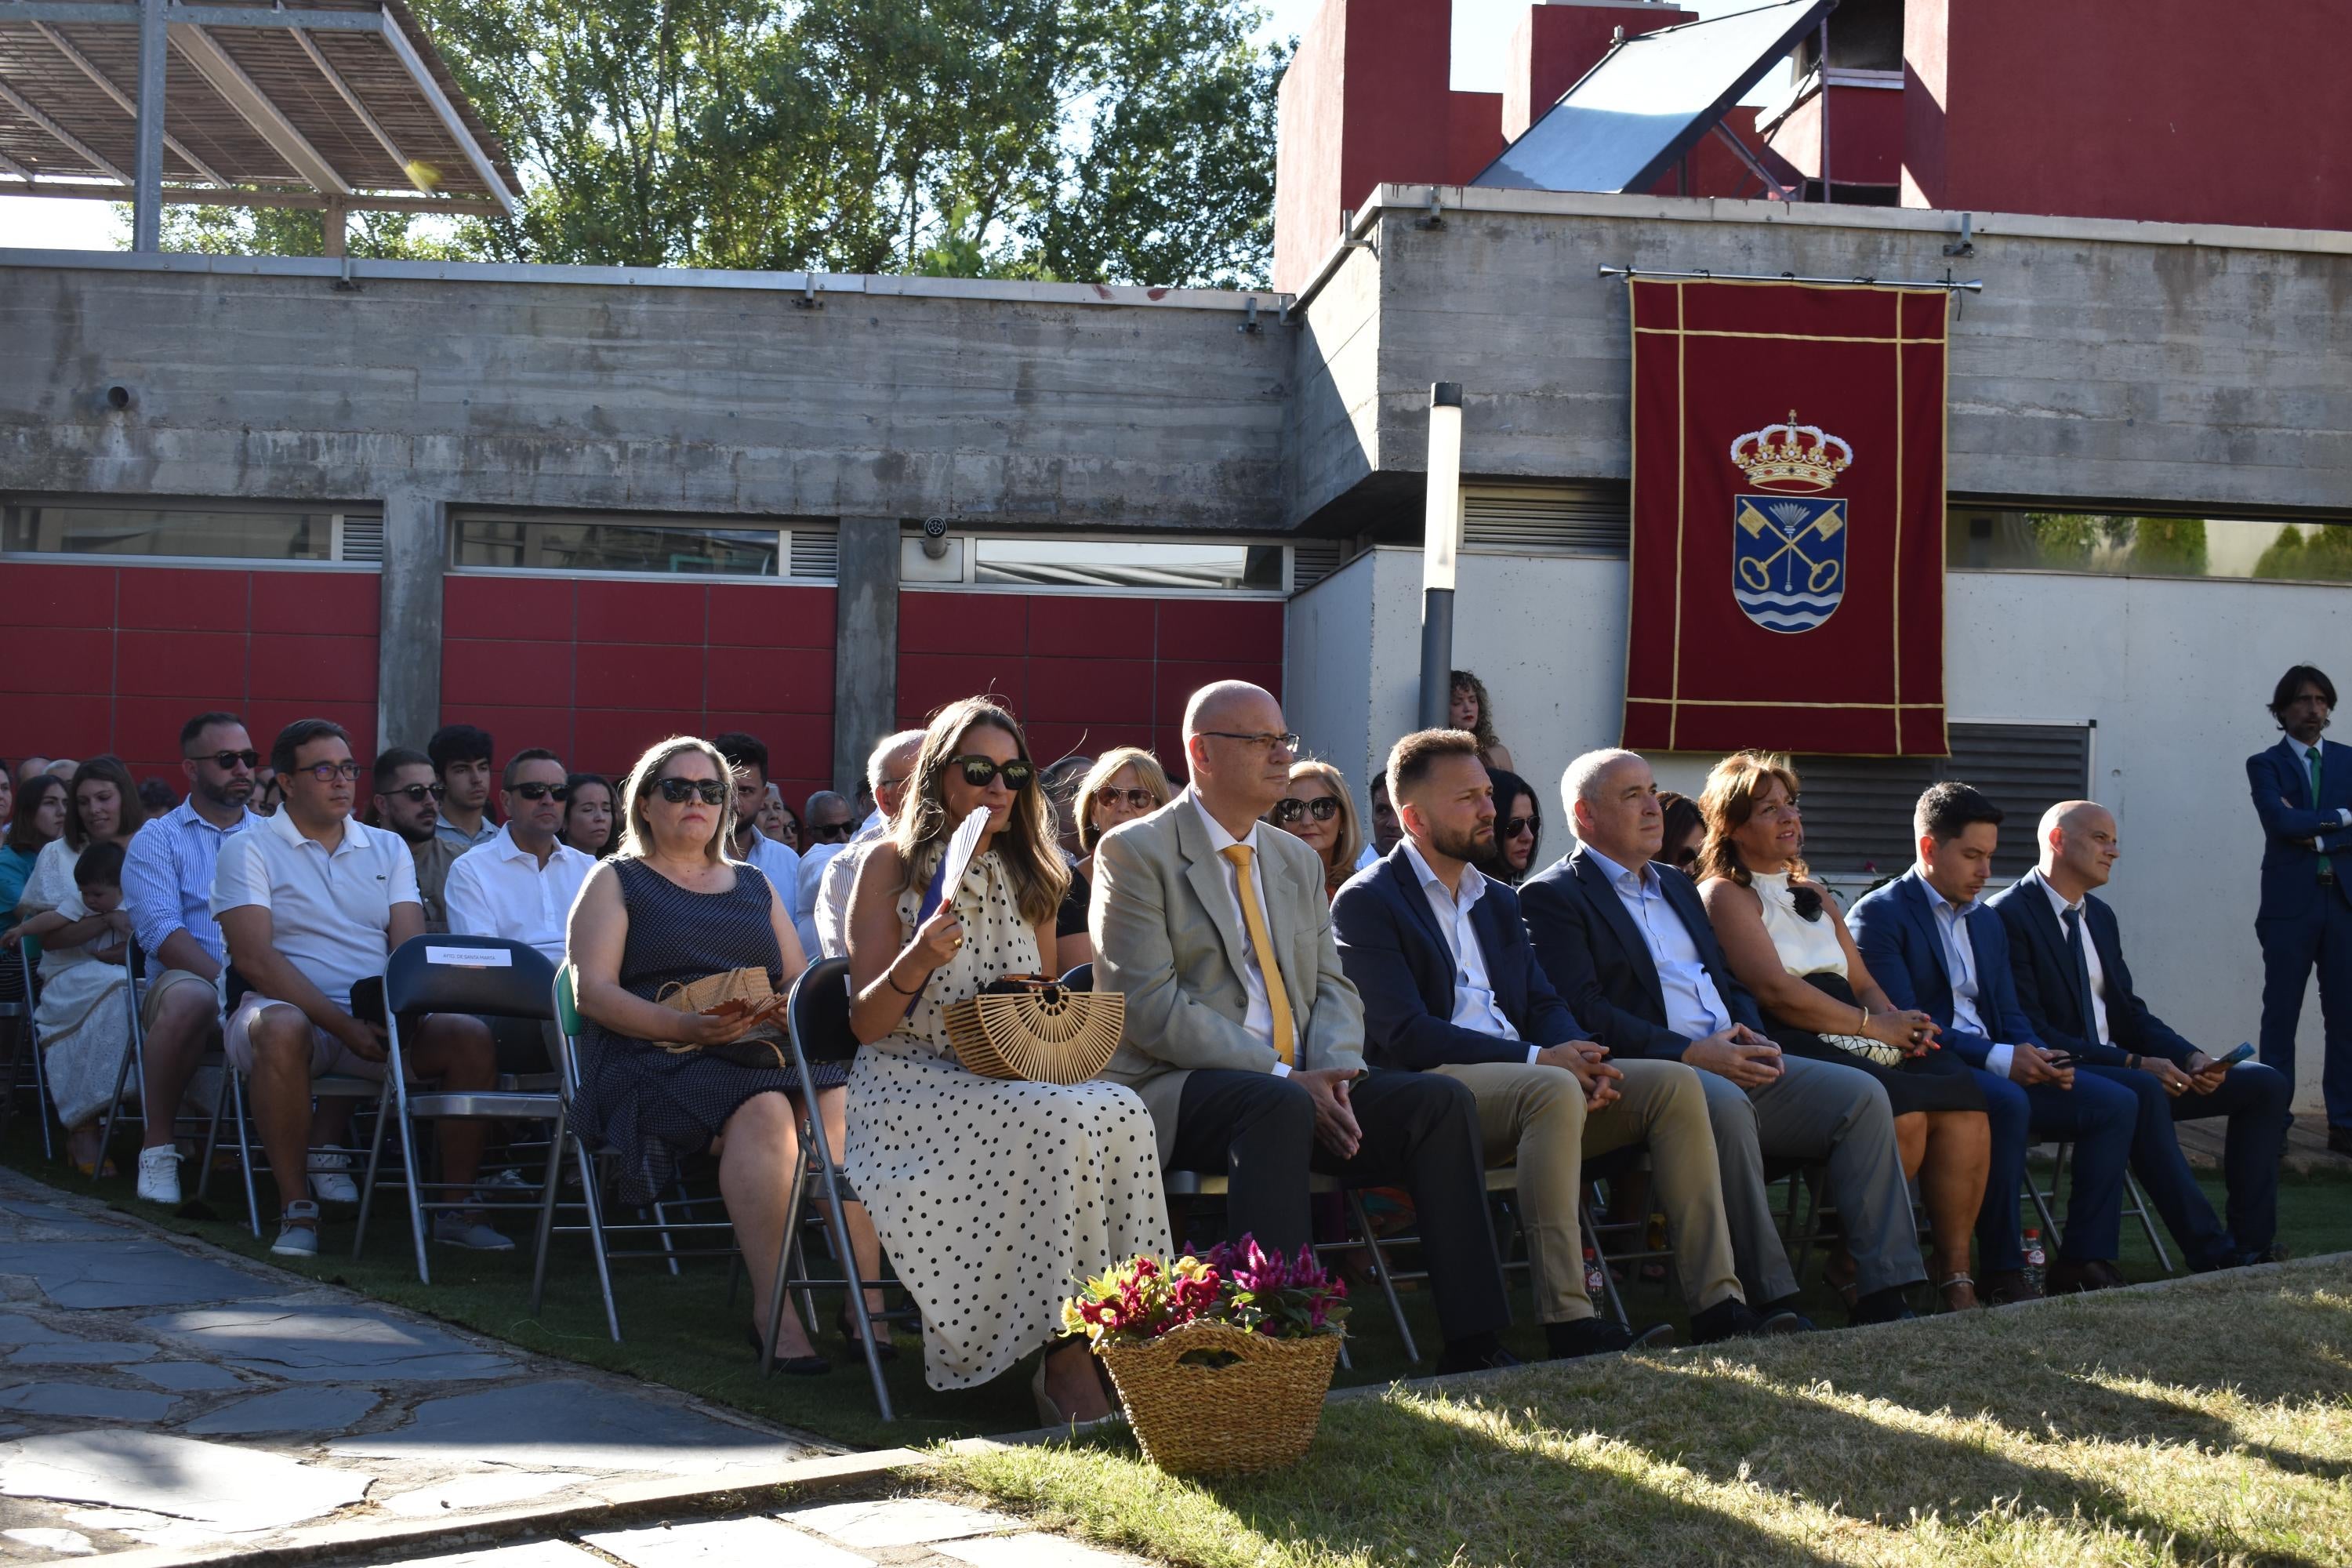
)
(1029, 1026)
(732, 994)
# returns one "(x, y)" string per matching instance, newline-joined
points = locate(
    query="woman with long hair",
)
(1318, 811)
(40, 817)
(1126, 783)
(1469, 707)
(1518, 829)
(83, 1025)
(1788, 944)
(588, 820)
(659, 1086)
(993, 1196)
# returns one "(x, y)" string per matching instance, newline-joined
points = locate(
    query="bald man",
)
(2067, 960)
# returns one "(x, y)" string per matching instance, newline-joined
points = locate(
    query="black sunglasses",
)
(1134, 799)
(224, 760)
(1290, 808)
(980, 772)
(830, 832)
(548, 791)
(417, 792)
(1512, 826)
(678, 792)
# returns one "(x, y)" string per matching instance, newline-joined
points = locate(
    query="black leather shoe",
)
(1599, 1336)
(2074, 1278)
(1480, 1352)
(1887, 1306)
(2264, 1255)
(2004, 1286)
(1727, 1319)
(1781, 1317)
(2340, 1140)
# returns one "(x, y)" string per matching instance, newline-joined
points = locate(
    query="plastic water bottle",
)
(2035, 1259)
(1596, 1283)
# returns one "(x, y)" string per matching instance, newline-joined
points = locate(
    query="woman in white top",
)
(1788, 944)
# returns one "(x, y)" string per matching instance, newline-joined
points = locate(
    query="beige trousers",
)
(1535, 1118)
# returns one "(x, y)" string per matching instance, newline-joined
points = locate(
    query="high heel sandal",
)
(790, 1365)
(883, 1349)
(1960, 1293)
(1051, 1414)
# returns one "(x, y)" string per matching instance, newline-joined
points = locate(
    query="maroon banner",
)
(1788, 574)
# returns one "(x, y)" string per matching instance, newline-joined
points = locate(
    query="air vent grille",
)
(1545, 522)
(816, 551)
(359, 539)
(1312, 560)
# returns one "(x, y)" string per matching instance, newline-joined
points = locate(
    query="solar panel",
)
(1633, 116)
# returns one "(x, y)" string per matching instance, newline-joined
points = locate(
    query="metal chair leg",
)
(2041, 1201)
(376, 1161)
(245, 1149)
(1608, 1278)
(588, 1178)
(399, 1081)
(2147, 1221)
(1380, 1270)
(547, 1206)
(212, 1132)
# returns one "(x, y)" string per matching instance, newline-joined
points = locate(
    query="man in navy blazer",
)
(1450, 986)
(1629, 944)
(2067, 957)
(1931, 945)
(2302, 793)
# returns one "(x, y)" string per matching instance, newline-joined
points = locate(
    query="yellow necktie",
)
(1277, 995)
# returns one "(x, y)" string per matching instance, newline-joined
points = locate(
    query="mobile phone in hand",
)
(2245, 1049)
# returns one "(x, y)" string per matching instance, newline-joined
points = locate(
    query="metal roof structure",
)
(340, 105)
(1631, 119)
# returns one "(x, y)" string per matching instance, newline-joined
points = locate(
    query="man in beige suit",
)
(1245, 1038)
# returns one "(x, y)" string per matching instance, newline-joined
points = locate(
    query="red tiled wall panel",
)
(596, 670)
(1083, 674)
(98, 657)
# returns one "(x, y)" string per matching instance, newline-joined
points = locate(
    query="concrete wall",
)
(597, 388)
(2174, 672)
(2103, 361)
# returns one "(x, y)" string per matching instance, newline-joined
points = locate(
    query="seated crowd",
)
(1402, 1009)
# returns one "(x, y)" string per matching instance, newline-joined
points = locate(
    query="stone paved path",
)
(155, 1391)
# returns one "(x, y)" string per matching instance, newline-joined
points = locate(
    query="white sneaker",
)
(330, 1177)
(298, 1231)
(159, 1175)
(455, 1229)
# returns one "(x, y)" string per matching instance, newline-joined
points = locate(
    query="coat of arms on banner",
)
(1787, 544)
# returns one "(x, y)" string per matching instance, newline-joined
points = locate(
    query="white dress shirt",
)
(329, 911)
(499, 888)
(1259, 1020)
(2059, 906)
(1694, 1008)
(1475, 1008)
(810, 892)
(837, 881)
(1960, 969)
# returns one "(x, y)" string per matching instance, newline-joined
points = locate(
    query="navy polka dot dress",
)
(655, 1107)
(994, 1197)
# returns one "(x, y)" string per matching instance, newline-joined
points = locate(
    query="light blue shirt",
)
(1960, 969)
(1695, 1007)
(1475, 1008)
(449, 831)
(167, 878)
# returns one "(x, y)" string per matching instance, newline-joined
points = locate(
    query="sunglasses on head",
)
(830, 832)
(418, 792)
(542, 790)
(1133, 799)
(982, 772)
(678, 792)
(1512, 826)
(1290, 808)
(224, 760)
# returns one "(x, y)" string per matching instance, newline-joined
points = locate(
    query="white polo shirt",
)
(499, 888)
(330, 913)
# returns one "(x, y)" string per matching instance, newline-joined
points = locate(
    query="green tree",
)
(293, 231)
(2168, 546)
(2324, 554)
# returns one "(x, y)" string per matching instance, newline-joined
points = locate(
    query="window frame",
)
(783, 528)
(86, 502)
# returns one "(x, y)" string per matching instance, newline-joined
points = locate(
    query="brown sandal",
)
(1960, 1293)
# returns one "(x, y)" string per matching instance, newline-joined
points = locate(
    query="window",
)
(146, 529)
(1125, 564)
(1857, 810)
(691, 546)
(1986, 539)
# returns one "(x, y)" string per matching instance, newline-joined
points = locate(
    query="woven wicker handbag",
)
(1034, 1027)
(736, 992)
(1258, 1411)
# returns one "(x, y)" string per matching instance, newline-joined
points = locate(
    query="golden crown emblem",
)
(1791, 457)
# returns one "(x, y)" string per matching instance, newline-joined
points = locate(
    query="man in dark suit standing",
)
(1931, 945)
(1627, 942)
(2302, 793)
(1451, 987)
(2066, 952)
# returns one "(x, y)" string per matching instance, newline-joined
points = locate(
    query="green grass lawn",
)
(684, 1330)
(2207, 1423)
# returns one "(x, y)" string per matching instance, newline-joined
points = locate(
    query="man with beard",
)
(408, 795)
(2303, 793)
(1451, 987)
(167, 886)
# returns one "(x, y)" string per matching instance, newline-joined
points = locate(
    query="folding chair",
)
(484, 976)
(134, 1061)
(817, 1014)
(2134, 1207)
(18, 1001)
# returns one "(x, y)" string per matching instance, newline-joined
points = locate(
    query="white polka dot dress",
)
(994, 1198)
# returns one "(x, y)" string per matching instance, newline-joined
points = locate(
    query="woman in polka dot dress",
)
(994, 1198)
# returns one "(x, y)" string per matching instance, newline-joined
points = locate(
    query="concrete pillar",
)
(866, 644)
(408, 639)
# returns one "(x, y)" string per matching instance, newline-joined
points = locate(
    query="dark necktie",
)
(2073, 918)
(2327, 867)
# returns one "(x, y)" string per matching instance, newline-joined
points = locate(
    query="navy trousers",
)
(2254, 1099)
(2291, 949)
(2099, 1119)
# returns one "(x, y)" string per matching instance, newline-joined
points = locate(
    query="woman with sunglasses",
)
(659, 1086)
(83, 1026)
(991, 1195)
(1318, 811)
(1518, 829)
(588, 814)
(1126, 783)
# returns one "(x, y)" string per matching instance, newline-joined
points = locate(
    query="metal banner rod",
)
(1971, 285)
(147, 206)
(1441, 541)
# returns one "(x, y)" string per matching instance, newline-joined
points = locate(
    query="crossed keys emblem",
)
(1796, 523)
